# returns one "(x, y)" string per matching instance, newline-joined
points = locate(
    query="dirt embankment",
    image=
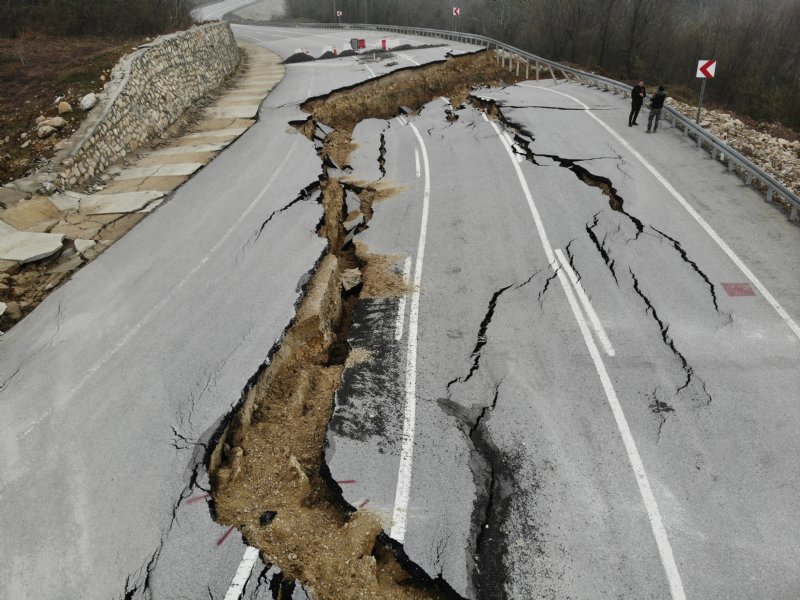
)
(268, 471)
(37, 72)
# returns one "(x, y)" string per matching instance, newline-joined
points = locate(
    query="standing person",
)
(656, 104)
(638, 94)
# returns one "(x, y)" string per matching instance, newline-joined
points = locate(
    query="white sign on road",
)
(706, 69)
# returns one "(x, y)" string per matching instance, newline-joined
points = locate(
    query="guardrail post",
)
(748, 179)
(793, 214)
(770, 194)
(517, 65)
(553, 75)
(527, 68)
(537, 70)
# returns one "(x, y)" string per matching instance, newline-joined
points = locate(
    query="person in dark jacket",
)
(656, 104)
(638, 94)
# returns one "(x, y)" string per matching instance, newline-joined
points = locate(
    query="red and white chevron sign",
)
(706, 69)
(456, 11)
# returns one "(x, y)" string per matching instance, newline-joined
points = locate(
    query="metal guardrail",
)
(752, 174)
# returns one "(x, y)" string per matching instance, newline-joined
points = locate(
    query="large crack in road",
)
(268, 457)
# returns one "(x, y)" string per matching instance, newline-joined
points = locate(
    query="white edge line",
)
(597, 325)
(243, 574)
(408, 58)
(371, 72)
(403, 490)
(416, 161)
(401, 307)
(690, 209)
(651, 506)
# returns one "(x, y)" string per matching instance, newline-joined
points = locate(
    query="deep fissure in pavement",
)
(522, 146)
(268, 458)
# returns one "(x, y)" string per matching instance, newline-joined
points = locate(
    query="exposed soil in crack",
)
(267, 468)
(382, 97)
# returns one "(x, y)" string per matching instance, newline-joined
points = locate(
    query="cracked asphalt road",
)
(520, 486)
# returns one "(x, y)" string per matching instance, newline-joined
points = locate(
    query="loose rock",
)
(13, 311)
(64, 107)
(83, 246)
(57, 122)
(88, 102)
(350, 279)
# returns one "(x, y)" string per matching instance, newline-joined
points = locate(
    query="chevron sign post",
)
(705, 71)
(456, 15)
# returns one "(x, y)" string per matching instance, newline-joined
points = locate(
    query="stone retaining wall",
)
(149, 89)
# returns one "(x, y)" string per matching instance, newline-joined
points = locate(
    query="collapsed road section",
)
(268, 471)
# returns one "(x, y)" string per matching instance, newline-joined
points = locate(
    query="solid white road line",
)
(242, 574)
(651, 506)
(401, 307)
(416, 161)
(371, 72)
(683, 202)
(587, 305)
(408, 58)
(403, 490)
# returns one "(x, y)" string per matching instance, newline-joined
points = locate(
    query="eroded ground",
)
(269, 474)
